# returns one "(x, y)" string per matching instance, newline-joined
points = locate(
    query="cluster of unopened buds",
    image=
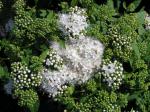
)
(23, 77)
(19, 6)
(112, 73)
(23, 20)
(121, 44)
(53, 60)
(111, 108)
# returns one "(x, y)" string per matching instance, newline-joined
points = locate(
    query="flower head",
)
(112, 73)
(81, 58)
(74, 23)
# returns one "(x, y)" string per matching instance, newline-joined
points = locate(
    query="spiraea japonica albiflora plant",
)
(86, 55)
(81, 57)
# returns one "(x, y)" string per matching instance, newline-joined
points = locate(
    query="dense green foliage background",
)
(35, 26)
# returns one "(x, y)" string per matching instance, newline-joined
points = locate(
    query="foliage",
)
(30, 28)
(120, 83)
(98, 100)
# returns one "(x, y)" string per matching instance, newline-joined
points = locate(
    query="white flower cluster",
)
(74, 23)
(23, 77)
(55, 81)
(81, 56)
(112, 73)
(80, 61)
(53, 60)
(147, 19)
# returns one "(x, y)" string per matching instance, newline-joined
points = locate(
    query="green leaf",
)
(141, 30)
(43, 54)
(147, 57)
(3, 72)
(64, 6)
(124, 5)
(62, 43)
(43, 13)
(131, 7)
(50, 15)
(110, 4)
(69, 90)
(136, 2)
(134, 95)
(74, 2)
(141, 17)
(136, 49)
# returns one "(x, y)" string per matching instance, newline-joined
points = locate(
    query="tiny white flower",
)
(114, 78)
(29, 71)
(24, 72)
(18, 76)
(53, 61)
(55, 66)
(48, 63)
(50, 55)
